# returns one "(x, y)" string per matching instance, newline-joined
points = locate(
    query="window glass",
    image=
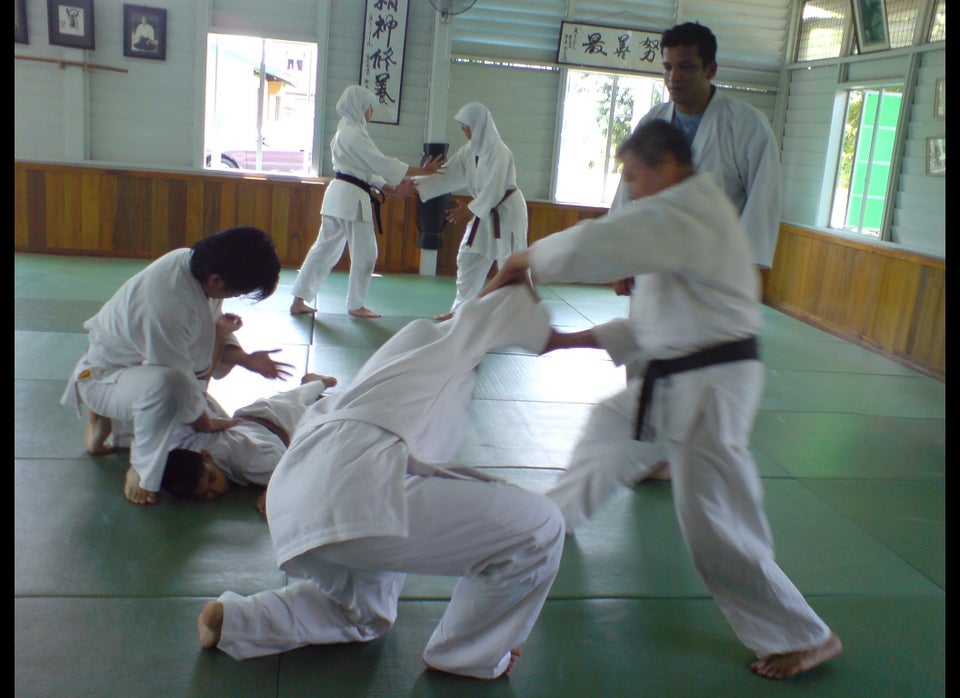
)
(599, 111)
(870, 129)
(821, 29)
(259, 104)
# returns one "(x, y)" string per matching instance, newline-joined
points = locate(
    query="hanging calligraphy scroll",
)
(609, 47)
(381, 68)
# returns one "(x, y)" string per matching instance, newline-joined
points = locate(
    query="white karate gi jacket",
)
(417, 388)
(354, 153)
(696, 286)
(736, 145)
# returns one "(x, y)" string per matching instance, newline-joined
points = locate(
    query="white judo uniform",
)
(735, 144)
(150, 346)
(346, 211)
(699, 289)
(367, 493)
(485, 167)
(249, 452)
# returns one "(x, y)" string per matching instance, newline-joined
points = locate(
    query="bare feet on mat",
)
(364, 312)
(328, 381)
(445, 316)
(95, 434)
(300, 307)
(789, 664)
(133, 492)
(514, 656)
(210, 623)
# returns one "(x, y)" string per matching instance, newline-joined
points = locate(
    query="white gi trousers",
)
(325, 252)
(473, 264)
(157, 400)
(718, 498)
(504, 543)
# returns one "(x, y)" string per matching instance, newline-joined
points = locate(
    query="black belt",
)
(740, 350)
(375, 204)
(495, 215)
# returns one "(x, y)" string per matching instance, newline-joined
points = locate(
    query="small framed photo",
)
(870, 17)
(20, 35)
(937, 156)
(145, 32)
(940, 99)
(70, 23)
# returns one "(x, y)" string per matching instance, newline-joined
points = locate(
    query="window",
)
(599, 111)
(821, 29)
(869, 133)
(259, 104)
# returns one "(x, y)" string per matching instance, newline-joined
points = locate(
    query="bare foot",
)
(445, 316)
(514, 656)
(134, 493)
(328, 381)
(364, 312)
(262, 503)
(659, 472)
(300, 307)
(789, 664)
(210, 623)
(95, 434)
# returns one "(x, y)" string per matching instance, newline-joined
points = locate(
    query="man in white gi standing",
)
(695, 335)
(350, 207)
(156, 343)
(497, 212)
(367, 493)
(731, 140)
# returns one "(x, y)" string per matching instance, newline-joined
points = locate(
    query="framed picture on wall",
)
(870, 17)
(70, 23)
(937, 156)
(20, 35)
(145, 32)
(940, 99)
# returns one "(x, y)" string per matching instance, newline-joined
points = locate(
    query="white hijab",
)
(484, 134)
(353, 104)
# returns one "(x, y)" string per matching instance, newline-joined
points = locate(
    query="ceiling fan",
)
(447, 8)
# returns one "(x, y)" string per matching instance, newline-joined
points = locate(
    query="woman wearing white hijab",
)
(350, 205)
(485, 167)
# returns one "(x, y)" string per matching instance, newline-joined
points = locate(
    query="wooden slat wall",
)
(887, 300)
(891, 301)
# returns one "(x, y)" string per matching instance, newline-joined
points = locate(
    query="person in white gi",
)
(348, 211)
(497, 212)
(731, 140)
(203, 464)
(367, 492)
(681, 234)
(156, 343)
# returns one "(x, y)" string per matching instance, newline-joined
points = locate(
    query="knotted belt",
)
(740, 350)
(374, 203)
(495, 215)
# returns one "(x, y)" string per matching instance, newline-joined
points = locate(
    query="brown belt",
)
(495, 215)
(375, 204)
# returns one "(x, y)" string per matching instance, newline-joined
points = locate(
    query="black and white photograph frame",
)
(70, 23)
(145, 32)
(870, 18)
(937, 156)
(20, 34)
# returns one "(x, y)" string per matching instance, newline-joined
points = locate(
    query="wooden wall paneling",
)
(37, 209)
(53, 203)
(896, 295)
(927, 337)
(158, 222)
(196, 202)
(279, 227)
(89, 234)
(107, 188)
(176, 221)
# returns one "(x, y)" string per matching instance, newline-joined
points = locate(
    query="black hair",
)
(652, 140)
(692, 34)
(183, 472)
(244, 257)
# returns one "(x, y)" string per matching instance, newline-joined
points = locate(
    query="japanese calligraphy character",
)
(382, 59)
(381, 88)
(594, 44)
(622, 48)
(384, 24)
